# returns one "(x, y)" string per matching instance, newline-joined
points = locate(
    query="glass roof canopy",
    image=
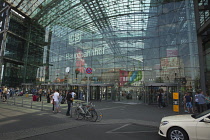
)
(120, 15)
(118, 19)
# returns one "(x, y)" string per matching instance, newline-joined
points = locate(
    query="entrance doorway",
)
(97, 91)
(131, 94)
(152, 90)
(102, 92)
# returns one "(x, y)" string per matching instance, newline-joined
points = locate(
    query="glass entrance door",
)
(152, 91)
(132, 94)
(95, 93)
(101, 92)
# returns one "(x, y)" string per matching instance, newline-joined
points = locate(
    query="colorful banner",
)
(129, 77)
(80, 62)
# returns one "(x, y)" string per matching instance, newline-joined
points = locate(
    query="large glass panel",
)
(127, 43)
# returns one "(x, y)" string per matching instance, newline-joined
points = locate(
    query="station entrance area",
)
(108, 92)
(97, 92)
(153, 89)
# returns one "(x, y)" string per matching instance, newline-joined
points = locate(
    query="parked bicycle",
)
(87, 112)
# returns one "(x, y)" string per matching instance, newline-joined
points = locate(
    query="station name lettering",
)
(69, 56)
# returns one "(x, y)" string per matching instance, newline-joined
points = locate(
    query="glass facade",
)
(202, 20)
(127, 43)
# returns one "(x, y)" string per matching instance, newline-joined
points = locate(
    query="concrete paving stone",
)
(18, 122)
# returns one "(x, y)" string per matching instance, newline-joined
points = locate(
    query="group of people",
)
(6, 93)
(56, 99)
(202, 102)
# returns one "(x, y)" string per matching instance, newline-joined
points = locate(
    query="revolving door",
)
(152, 91)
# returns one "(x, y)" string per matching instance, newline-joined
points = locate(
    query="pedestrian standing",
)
(55, 97)
(40, 94)
(188, 100)
(159, 100)
(208, 101)
(4, 93)
(184, 103)
(69, 100)
(8, 93)
(163, 99)
(52, 100)
(48, 96)
(73, 94)
(1, 94)
(197, 103)
(202, 102)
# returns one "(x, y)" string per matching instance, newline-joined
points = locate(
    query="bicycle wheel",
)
(78, 114)
(100, 115)
(93, 116)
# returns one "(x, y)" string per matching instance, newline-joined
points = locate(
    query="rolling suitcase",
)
(34, 98)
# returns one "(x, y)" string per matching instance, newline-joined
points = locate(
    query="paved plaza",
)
(22, 118)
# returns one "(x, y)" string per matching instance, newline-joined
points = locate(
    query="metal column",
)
(200, 48)
(3, 43)
(26, 57)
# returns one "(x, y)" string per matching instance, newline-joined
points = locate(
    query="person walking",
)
(188, 101)
(69, 100)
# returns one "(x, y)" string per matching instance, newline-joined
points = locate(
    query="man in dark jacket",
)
(69, 100)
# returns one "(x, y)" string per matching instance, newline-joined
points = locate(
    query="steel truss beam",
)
(103, 25)
(46, 9)
(56, 17)
(4, 9)
(19, 3)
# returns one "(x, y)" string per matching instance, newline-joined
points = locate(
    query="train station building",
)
(132, 47)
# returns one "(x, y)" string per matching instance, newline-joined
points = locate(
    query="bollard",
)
(22, 102)
(42, 106)
(14, 101)
(31, 104)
